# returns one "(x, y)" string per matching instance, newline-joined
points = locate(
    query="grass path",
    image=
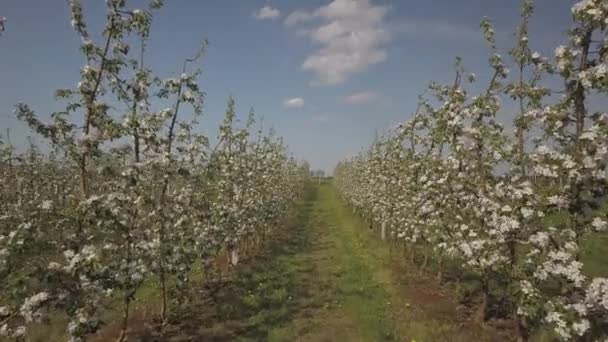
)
(349, 290)
(361, 292)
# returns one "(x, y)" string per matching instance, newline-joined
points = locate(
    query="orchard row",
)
(511, 208)
(123, 194)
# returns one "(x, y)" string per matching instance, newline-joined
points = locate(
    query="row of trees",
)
(511, 208)
(128, 194)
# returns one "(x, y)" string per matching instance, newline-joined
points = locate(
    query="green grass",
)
(594, 254)
(594, 247)
(146, 303)
(367, 294)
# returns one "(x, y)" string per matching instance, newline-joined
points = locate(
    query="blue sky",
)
(326, 92)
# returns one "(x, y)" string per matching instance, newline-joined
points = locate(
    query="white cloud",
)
(361, 97)
(296, 102)
(267, 12)
(296, 17)
(351, 36)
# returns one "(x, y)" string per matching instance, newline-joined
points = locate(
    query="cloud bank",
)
(361, 97)
(351, 36)
(267, 12)
(296, 102)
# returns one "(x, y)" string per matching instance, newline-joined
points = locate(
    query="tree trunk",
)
(522, 328)
(234, 256)
(440, 269)
(163, 287)
(480, 316)
(413, 255)
(163, 276)
(426, 258)
(125, 319)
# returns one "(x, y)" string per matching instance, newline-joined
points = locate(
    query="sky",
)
(327, 75)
